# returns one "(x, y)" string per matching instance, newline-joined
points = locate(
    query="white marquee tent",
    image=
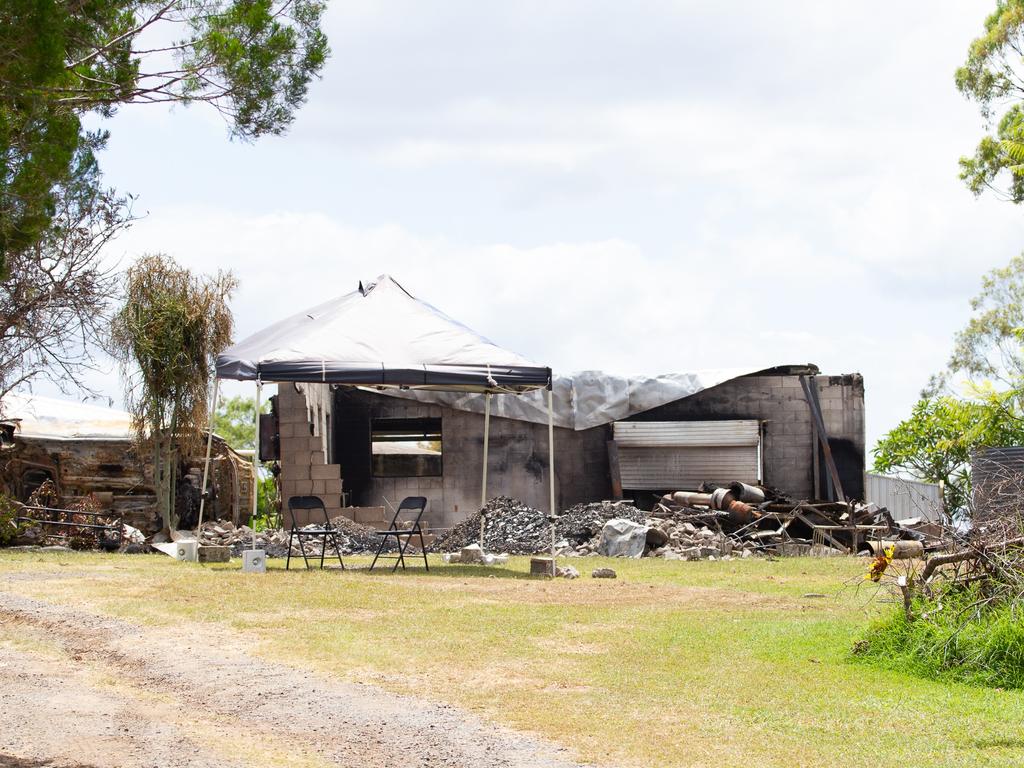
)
(381, 336)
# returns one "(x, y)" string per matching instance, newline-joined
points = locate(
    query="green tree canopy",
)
(251, 59)
(993, 76)
(235, 421)
(988, 347)
(935, 444)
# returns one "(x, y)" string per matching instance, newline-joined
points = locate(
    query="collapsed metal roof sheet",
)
(64, 419)
(587, 399)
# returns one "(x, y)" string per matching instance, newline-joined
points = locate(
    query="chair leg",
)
(401, 551)
(423, 549)
(398, 560)
(288, 560)
(302, 546)
(380, 548)
(337, 550)
(323, 550)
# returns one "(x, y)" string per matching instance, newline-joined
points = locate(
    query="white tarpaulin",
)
(589, 398)
(380, 336)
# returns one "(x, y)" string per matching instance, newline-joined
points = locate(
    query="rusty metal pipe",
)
(721, 498)
(689, 499)
(740, 513)
(903, 549)
(750, 494)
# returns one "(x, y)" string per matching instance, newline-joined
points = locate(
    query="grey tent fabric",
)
(380, 336)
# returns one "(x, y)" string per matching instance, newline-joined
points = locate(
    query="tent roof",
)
(383, 336)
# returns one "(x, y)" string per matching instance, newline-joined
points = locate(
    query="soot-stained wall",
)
(518, 454)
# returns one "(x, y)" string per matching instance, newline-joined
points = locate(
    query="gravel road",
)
(87, 691)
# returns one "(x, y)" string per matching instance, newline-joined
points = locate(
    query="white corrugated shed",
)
(904, 498)
(680, 455)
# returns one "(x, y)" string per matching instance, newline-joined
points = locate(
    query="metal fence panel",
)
(905, 498)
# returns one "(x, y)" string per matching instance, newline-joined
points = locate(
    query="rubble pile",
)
(353, 538)
(743, 520)
(720, 522)
(654, 537)
(514, 528)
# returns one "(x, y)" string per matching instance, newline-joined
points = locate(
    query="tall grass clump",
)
(958, 634)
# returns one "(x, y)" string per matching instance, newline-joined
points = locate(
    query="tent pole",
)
(487, 440)
(551, 470)
(209, 446)
(256, 464)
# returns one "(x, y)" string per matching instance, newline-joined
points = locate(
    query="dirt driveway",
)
(88, 691)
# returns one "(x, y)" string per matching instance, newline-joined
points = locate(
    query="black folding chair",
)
(413, 506)
(326, 533)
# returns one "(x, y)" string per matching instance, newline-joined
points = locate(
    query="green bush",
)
(266, 504)
(959, 642)
(9, 527)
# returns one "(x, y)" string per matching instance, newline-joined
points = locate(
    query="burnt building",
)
(613, 436)
(87, 450)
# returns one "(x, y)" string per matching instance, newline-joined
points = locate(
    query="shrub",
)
(9, 526)
(956, 635)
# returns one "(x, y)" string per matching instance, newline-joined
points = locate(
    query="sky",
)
(637, 187)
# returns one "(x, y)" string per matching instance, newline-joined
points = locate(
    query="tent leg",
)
(487, 440)
(206, 466)
(551, 471)
(256, 465)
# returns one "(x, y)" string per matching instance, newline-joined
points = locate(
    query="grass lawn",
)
(672, 664)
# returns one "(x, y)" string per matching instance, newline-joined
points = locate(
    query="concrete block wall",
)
(518, 456)
(304, 467)
(517, 462)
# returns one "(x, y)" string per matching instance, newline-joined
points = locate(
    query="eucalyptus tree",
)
(993, 77)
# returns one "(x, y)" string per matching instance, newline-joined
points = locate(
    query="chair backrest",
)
(296, 503)
(413, 507)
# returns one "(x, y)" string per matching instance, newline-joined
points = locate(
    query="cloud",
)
(573, 305)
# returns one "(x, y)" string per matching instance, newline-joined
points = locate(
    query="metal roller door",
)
(680, 455)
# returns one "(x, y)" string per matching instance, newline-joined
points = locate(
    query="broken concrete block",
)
(603, 573)
(254, 561)
(656, 538)
(214, 554)
(542, 566)
(567, 572)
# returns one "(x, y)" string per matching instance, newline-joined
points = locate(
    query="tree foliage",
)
(235, 421)
(988, 347)
(993, 76)
(935, 444)
(55, 303)
(59, 61)
(251, 59)
(167, 336)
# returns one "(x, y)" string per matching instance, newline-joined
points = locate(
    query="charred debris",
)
(737, 520)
